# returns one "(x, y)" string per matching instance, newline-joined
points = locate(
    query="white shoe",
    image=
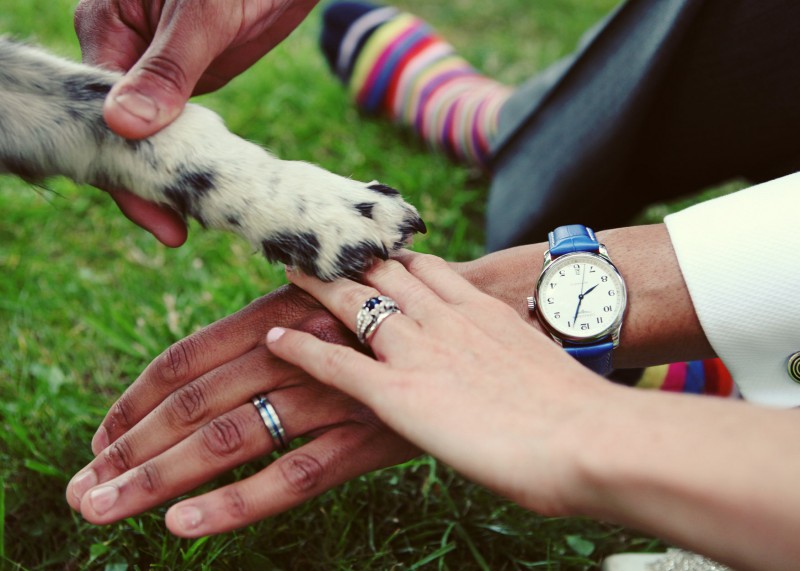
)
(672, 560)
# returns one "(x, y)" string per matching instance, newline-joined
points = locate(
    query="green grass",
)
(87, 299)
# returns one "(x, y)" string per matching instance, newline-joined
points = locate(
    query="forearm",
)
(660, 324)
(711, 475)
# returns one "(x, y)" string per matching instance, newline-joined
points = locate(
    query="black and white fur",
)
(51, 124)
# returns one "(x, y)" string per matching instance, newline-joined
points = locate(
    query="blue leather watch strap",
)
(572, 238)
(597, 357)
(579, 238)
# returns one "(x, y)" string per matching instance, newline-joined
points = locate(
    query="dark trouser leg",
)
(669, 96)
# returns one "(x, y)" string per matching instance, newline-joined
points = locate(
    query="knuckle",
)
(120, 416)
(187, 406)
(175, 364)
(414, 293)
(301, 472)
(120, 455)
(148, 478)
(425, 262)
(385, 268)
(235, 505)
(223, 436)
(283, 306)
(165, 71)
(335, 360)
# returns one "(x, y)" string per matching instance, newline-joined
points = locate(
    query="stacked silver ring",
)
(271, 421)
(371, 314)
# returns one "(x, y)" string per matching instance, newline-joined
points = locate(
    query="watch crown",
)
(531, 304)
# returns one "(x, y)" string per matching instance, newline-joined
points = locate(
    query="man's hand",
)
(170, 49)
(189, 417)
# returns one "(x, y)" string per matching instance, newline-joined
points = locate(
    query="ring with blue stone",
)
(371, 314)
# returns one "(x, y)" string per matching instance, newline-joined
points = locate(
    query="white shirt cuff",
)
(740, 258)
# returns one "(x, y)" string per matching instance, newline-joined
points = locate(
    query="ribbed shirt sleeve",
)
(740, 258)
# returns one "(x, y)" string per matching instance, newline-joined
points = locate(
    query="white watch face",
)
(581, 296)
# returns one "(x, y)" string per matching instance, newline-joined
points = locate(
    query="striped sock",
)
(396, 65)
(709, 377)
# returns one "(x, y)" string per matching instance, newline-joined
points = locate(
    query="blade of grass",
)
(438, 554)
(43, 468)
(479, 559)
(2, 519)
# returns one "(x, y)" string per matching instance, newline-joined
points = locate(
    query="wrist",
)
(572, 441)
(598, 466)
(661, 325)
(508, 275)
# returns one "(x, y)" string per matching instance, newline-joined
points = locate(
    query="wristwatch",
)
(580, 297)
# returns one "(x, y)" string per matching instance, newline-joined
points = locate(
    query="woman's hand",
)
(466, 379)
(461, 375)
(171, 49)
(189, 417)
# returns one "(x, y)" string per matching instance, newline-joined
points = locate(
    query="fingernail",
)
(138, 105)
(189, 517)
(81, 483)
(100, 440)
(274, 334)
(103, 498)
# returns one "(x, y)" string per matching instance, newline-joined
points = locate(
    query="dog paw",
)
(299, 214)
(339, 232)
(293, 212)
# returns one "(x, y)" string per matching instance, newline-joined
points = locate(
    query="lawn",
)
(87, 300)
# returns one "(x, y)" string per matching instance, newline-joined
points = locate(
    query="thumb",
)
(155, 90)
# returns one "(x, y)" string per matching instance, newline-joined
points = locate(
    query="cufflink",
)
(793, 366)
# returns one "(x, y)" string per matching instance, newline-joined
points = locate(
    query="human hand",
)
(189, 417)
(161, 221)
(171, 49)
(461, 375)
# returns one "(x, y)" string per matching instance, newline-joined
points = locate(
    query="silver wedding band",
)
(372, 314)
(271, 421)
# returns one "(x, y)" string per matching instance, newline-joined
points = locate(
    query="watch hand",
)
(577, 309)
(580, 296)
(580, 300)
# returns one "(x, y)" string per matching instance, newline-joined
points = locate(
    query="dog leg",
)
(51, 124)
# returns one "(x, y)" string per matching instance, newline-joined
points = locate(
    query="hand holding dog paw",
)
(171, 50)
